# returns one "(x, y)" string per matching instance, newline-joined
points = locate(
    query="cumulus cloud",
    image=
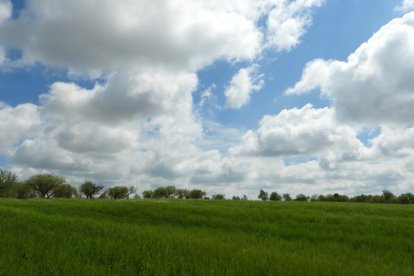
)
(5, 10)
(375, 85)
(242, 85)
(287, 23)
(406, 5)
(16, 123)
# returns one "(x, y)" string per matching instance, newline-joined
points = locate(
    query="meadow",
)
(201, 237)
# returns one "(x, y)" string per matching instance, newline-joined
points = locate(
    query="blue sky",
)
(199, 98)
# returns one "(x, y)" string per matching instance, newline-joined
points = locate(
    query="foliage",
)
(89, 189)
(8, 179)
(197, 194)
(287, 197)
(147, 194)
(301, 197)
(274, 196)
(263, 195)
(118, 192)
(64, 191)
(219, 197)
(45, 184)
(24, 191)
(182, 193)
(164, 192)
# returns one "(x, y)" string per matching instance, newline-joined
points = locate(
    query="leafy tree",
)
(197, 194)
(407, 198)
(147, 194)
(263, 195)
(219, 197)
(118, 192)
(388, 196)
(104, 195)
(164, 192)
(274, 196)
(8, 179)
(131, 190)
(236, 198)
(301, 197)
(287, 197)
(182, 193)
(24, 191)
(89, 189)
(44, 184)
(64, 191)
(244, 197)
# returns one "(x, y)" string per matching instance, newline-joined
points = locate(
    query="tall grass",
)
(55, 237)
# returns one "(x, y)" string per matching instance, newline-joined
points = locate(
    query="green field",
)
(173, 237)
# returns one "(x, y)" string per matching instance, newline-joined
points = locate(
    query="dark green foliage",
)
(274, 196)
(24, 191)
(200, 237)
(182, 193)
(44, 184)
(263, 195)
(287, 197)
(147, 194)
(8, 179)
(333, 198)
(407, 198)
(118, 192)
(64, 191)
(301, 197)
(197, 194)
(219, 197)
(131, 190)
(164, 192)
(235, 198)
(90, 189)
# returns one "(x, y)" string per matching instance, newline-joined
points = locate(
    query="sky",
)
(230, 96)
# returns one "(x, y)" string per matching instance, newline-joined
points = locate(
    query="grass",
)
(171, 237)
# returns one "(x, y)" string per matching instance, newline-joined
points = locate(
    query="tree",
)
(24, 191)
(44, 184)
(64, 191)
(8, 179)
(388, 196)
(182, 193)
(131, 190)
(287, 197)
(219, 197)
(235, 198)
(407, 198)
(89, 189)
(164, 192)
(197, 194)
(118, 192)
(274, 196)
(263, 195)
(301, 197)
(147, 194)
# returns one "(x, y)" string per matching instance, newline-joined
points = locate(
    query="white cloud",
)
(242, 85)
(406, 5)
(287, 23)
(375, 85)
(15, 123)
(5, 10)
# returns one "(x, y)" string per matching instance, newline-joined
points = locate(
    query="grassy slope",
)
(204, 238)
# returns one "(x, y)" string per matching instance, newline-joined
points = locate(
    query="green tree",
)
(118, 192)
(197, 194)
(64, 191)
(44, 184)
(131, 190)
(182, 193)
(235, 198)
(407, 198)
(263, 195)
(219, 197)
(287, 197)
(301, 197)
(8, 179)
(388, 196)
(147, 194)
(89, 189)
(274, 196)
(24, 191)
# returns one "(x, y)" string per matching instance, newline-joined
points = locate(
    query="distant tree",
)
(219, 197)
(118, 192)
(8, 179)
(301, 197)
(274, 196)
(388, 196)
(136, 196)
(263, 195)
(244, 197)
(44, 184)
(131, 190)
(164, 192)
(407, 198)
(24, 191)
(104, 195)
(235, 198)
(64, 191)
(147, 194)
(197, 194)
(316, 198)
(182, 193)
(287, 197)
(89, 189)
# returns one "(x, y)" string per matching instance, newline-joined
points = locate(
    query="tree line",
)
(54, 186)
